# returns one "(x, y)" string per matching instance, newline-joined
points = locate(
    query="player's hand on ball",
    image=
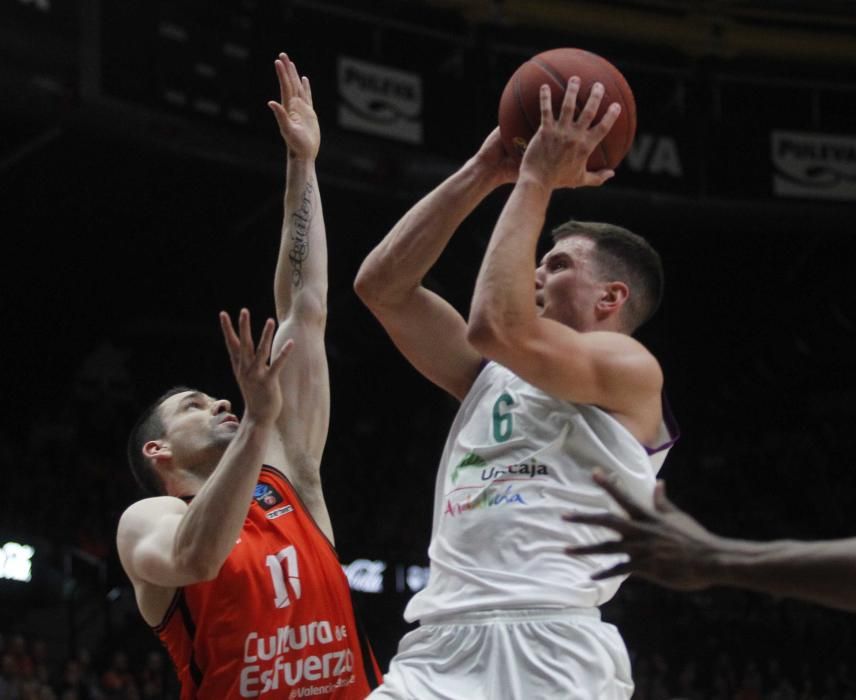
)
(298, 123)
(495, 158)
(560, 149)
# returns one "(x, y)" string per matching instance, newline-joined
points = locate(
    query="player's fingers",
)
(603, 127)
(613, 522)
(279, 361)
(279, 114)
(228, 331)
(545, 100)
(617, 570)
(569, 102)
(293, 79)
(607, 547)
(596, 179)
(307, 89)
(233, 344)
(282, 77)
(264, 347)
(246, 336)
(611, 487)
(661, 501)
(592, 105)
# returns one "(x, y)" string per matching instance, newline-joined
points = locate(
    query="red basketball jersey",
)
(278, 621)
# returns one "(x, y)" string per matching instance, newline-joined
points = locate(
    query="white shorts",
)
(511, 654)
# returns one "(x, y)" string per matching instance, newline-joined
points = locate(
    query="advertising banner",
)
(380, 100)
(815, 166)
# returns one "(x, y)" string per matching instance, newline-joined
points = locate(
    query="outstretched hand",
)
(298, 123)
(559, 150)
(665, 545)
(259, 381)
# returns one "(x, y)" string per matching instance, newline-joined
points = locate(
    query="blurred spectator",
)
(154, 678)
(117, 681)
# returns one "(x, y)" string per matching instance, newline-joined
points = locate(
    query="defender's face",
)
(566, 285)
(195, 422)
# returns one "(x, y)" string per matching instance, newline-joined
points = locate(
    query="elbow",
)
(208, 573)
(486, 335)
(382, 284)
(498, 336)
(378, 282)
(367, 285)
(200, 565)
(311, 308)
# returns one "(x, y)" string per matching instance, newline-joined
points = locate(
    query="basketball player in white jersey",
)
(552, 386)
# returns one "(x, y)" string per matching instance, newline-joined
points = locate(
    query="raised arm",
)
(668, 547)
(300, 293)
(167, 543)
(608, 369)
(428, 331)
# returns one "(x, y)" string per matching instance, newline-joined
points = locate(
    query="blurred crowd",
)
(70, 481)
(733, 645)
(28, 673)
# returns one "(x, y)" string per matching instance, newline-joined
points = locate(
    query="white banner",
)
(818, 166)
(380, 100)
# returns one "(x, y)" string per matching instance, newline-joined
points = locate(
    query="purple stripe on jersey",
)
(672, 428)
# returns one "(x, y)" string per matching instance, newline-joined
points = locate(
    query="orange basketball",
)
(520, 111)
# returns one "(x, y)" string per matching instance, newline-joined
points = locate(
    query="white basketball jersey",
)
(515, 460)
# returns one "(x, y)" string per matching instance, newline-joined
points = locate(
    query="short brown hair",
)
(149, 426)
(623, 255)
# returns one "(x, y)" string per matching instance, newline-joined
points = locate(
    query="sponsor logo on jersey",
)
(267, 496)
(524, 470)
(297, 657)
(471, 459)
(279, 511)
(496, 493)
(490, 472)
(488, 498)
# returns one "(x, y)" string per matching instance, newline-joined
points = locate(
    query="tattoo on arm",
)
(299, 251)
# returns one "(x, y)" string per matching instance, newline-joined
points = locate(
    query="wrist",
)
(725, 560)
(484, 173)
(297, 160)
(298, 173)
(534, 182)
(254, 422)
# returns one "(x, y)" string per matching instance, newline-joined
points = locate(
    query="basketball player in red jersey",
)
(232, 561)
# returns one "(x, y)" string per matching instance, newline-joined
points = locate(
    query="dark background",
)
(131, 216)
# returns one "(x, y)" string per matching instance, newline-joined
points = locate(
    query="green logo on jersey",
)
(471, 459)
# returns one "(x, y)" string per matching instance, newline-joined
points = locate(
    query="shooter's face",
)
(566, 285)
